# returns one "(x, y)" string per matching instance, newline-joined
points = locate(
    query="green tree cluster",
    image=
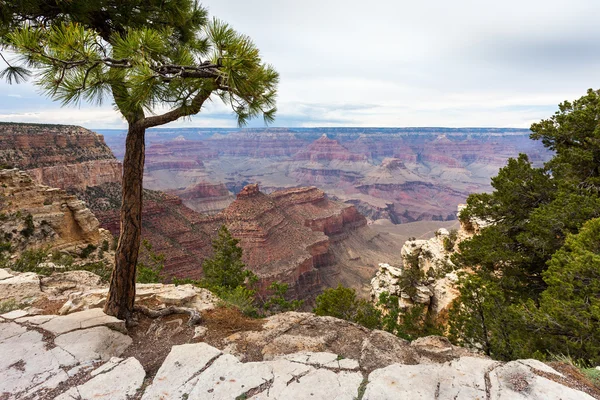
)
(530, 292)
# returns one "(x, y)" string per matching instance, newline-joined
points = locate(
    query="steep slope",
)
(34, 216)
(69, 157)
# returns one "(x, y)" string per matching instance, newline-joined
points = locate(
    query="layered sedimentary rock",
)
(63, 156)
(269, 143)
(37, 216)
(403, 174)
(205, 197)
(325, 149)
(437, 288)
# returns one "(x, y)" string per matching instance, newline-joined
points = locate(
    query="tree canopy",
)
(515, 302)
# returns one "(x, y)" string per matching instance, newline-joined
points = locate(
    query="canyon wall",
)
(400, 174)
(38, 216)
(63, 156)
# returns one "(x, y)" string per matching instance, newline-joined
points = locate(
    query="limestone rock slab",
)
(83, 319)
(20, 287)
(94, 343)
(178, 373)
(115, 380)
(456, 380)
(516, 381)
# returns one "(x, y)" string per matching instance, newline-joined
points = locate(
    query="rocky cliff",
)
(37, 216)
(436, 288)
(68, 157)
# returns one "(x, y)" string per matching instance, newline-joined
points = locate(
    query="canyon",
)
(297, 236)
(399, 174)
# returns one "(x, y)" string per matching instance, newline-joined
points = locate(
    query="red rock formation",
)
(68, 157)
(205, 197)
(325, 149)
(272, 143)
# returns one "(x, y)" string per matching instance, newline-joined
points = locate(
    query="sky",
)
(392, 63)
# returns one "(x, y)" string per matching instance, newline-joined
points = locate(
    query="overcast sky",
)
(451, 63)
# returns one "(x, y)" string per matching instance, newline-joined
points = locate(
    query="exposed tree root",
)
(195, 316)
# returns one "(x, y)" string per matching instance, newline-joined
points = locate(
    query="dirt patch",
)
(48, 307)
(573, 379)
(223, 322)
(153, 339)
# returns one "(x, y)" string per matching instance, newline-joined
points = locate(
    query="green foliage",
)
(142, 54)
(150, 272)
(225, 268)
(276, 302)
(9, 305)
(87, 251)
(569, 309)
(104, 245)
(450, 240)
(408, 324)
(29, 226)
(593, 375)
(533, 289)
(241, 298)
(29, 262)
(342, 303)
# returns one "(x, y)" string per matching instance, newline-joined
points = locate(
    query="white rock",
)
(178, 373)
(27, 365)
(20, 287)
(461, 379)
(296, 381)
(4, 274)
(176, 295)
(121, 381)
(537, 364)
(83, 319)
(36, 319)
(15, 314)
(228, 378)
(10, 329)
(94, 343)
(311, 358)
(200, 331)
(516, 381)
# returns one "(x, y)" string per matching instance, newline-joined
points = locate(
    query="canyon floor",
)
(66, 348)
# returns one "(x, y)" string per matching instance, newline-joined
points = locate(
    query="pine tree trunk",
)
(121, 295)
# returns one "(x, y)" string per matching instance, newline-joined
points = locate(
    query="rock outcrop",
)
(437, 288)
(35, 215)
(86, 354)
(63, 156)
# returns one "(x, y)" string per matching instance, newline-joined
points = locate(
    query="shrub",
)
(241, 298)
(342, 303)
(276, 302)
(89, 249)
(151, 272)
(29, 226)
(225, 268)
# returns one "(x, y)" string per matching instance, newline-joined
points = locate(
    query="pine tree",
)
(225, 269)
(144, 56)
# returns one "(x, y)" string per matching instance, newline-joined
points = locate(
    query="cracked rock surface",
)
(77, 356)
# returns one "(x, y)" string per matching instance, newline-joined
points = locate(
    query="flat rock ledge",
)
(77, 357)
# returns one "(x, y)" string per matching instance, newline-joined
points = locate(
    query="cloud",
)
(396, 63)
